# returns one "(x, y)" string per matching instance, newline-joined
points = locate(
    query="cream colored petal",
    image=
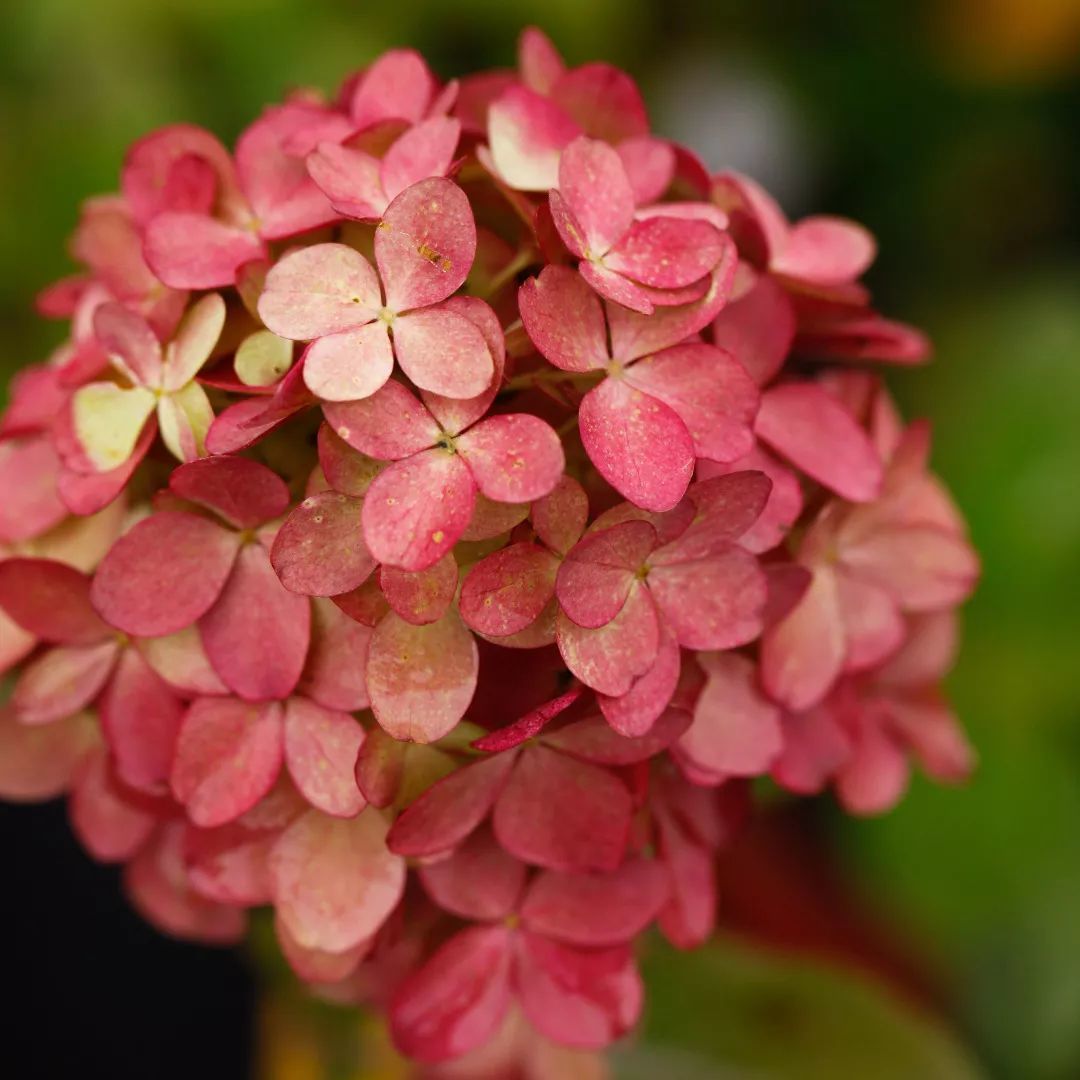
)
(195, 339)
(185, 417)
(263, 358)
(108, 419)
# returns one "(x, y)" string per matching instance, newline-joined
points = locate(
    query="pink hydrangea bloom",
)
(455, 635)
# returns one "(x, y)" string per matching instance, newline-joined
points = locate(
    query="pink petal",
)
(421, 678)
(724, 508)
(193, 251)
(425, 244)
(597, 192)
(242, 491)
(443, 352)
(613, 286)
(529, 725)
(457, 1000)
(927, 654)
(815, 746)
(491, 519)
(193, 342)
(181, 661)
(319, 290)
(710, 393)
(398, 86)
(349, 179)
(478, 881)
(130, 343)
(335, 675)
(593, 739)
(809, 427)
(423, 596)
(559, 518)
(736, 731)
(603, 100)
(562, 813)
(873, 625)
(935, 737)
(564, 319)
(876, 775)
(15, 643)
(802, 655)
(635, 712)
(110, 824)
(380, 767)
(667, 252)
(610, 658)
(320, 751)
(315, 965)
(346, 470)
(650, 166)
(28, 476)
(423, 151)
(596, 909)
(506, 591)
(527, 134)
(140, 718)
(61, 681)
(639, 444)
(228, 756)
(538, 60)
(451, 808)
(825, 251)
(349, 365)
(689, 918)
(257, 633)
(598, 573)
(418, 508)
(50, 600)
(758, 329)
(389, 425)
(38, 763)
(577, 997)
(756, 219)
(320, 550)
(335, 882)
(229, 864)
(513, 458)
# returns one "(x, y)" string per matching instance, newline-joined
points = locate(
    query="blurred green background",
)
(950, 129)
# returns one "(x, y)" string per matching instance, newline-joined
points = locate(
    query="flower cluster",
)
(443, 506)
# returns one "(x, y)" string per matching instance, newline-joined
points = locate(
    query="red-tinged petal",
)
(229, 864)
(596, 909)
(320, 751)
(315, 965)
(351, 365)
(140, 718)
(457, 1000)
(596, 189)
(873, 625)
(538, 60)
(667, 252)
(712, 603)
(443, 352)
(532, 723)
(451, 808)
(397, 86)
(650, 166)
(736, 731)
(514, 458)
(564, 319)
(157, 884)
(421, 678)
(758, 329)
(689, 918)
(634, 335)
(927, 654)
(527, 134)
(506, 591)
(815, 746)
(723, 508)
(478, 881)
(335, 882)
(318, 290)
(38, 763)
(424, 151)
(181, 661)
(490, 519)
(61, 681)
(802, 655)
(809, 427)
(346, 470)
(935, 737)
(563, 814)
(584, 998)
(228, 756)
(639, 444)
(425, 244)
(825, 251)
(418, 508)
(559, 518)
(50, 600)
(876, 775)
(423, 596)
(365, 605)
(598, 573)
(603, 100)
(28, 477)
(15, 643)
(610, 658)
(349, 179)
(245, 423)
(635, 712)
(380, 767)
(613, 286)
(320, 550)
(389, 425)
(710, 392)
(335, 675)
(593, 739)
(257, 633)
(130, 343)
(244, 492)
(193, 251)
(110, 824)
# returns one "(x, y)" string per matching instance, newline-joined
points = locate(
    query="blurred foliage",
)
(949, 127)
